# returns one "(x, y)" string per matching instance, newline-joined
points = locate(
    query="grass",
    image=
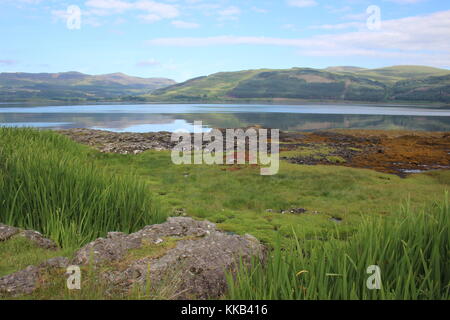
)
(74, 194)
(19, 252)
(239, 198)
(411, 250)
(50, 184)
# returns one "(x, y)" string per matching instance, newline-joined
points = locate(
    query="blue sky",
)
(182, 39)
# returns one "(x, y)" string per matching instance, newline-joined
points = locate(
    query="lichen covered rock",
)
(194, 268)
(180, 259)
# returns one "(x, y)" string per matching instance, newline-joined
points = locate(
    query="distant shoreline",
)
(424, 104)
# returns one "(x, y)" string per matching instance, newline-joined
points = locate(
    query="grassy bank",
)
(411, 250)
(240, 200)
(50, 184)
(74, 194)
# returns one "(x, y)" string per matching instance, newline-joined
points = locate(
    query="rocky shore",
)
(395, 152)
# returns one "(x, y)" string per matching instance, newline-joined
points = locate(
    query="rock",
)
(21, 282)
(58, 262)
(117, 245)
(180, 212)
(113, 248)
(38, 239)
(191, 261)
(6, 232)
(122, 143)
(298, 211)
(26, 281)
(195, 267)
(294, 211)
(336, 219)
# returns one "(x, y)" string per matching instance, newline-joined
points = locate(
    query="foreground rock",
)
(193, 268)
(180, 259)
(27, 281)
(7, 232)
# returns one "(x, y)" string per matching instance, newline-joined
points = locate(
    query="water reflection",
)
(123, 118)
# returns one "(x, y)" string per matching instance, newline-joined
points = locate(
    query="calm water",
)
(171, 117)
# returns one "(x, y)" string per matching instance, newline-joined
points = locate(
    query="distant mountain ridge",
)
(397, 83)
(75, 86)
(340, 83)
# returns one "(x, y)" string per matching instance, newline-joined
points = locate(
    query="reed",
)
(50, 184)
(411, 249)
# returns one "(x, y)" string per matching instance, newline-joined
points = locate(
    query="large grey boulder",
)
(195, 268)
(180, 259)
(26, 281)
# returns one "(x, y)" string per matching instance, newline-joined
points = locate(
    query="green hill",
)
(398, 83)
(401, 72)
(344, 69)
(75, 86)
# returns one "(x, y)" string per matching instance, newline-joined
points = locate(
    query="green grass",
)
(412, 251)
(74, 194)
(238, 200)
(19, 252)
(50, 184)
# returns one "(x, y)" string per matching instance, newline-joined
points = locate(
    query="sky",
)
(183, 39)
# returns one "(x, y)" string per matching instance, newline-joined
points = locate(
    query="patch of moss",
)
(318, 150)
(335, 159)
(18, 253)
(152, 250)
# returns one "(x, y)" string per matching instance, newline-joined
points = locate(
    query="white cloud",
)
(185, 25)
(8, 62)
(405, 1)
(149, 10)
(421, 39)
(302, 3)
(148, 63)
(339, 26)
(259, 10)
(109, 5)
(229, 13)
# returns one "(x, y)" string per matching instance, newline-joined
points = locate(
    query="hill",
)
(398, 83)
(75, 86)
(344, 69)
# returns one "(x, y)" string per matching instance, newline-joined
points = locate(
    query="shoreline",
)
(424, 104)
(395, 152)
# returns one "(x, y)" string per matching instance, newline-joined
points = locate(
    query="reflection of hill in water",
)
(117, 121)
(311, 122)
(283, 121)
